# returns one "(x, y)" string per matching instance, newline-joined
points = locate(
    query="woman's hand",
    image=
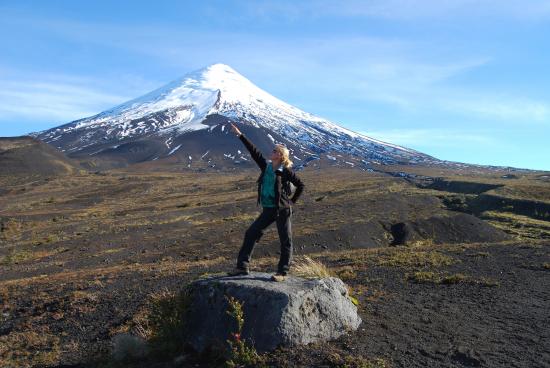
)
(235, 130)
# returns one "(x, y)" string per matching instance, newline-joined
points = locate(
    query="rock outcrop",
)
(296, 311)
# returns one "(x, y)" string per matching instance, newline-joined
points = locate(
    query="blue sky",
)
(462, 80)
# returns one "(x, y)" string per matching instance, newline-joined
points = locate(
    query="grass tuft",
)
(311, 269)
(423, 277)
(452, 279)
(456, 278)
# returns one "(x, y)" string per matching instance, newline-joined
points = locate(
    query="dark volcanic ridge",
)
(26, 155)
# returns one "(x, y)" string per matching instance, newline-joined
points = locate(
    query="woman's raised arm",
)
(254, 151)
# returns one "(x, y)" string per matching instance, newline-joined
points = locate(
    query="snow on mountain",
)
(200, 101)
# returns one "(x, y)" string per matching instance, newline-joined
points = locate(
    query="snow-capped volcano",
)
(188, 118)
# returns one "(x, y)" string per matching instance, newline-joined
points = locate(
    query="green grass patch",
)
(355, 361)
(16, 256)
(449, 279)
(456, 278)
(423, 277)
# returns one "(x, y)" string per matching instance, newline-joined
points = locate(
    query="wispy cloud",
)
(403, 74)
(56, 99)
(504, 108)
(403, 9)
(431, 138)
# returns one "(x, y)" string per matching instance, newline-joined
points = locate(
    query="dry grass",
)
(15, 256)
(405, 258)
(346, 273)
(181, 208)
(522, 226)
(423, 277)
(29, 349)
(168, 268)
(345, 360)
(308, 268)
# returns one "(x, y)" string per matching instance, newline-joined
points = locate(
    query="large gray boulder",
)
(296, 311)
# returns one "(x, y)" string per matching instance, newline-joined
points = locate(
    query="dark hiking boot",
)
(238, 272)
(278, 277)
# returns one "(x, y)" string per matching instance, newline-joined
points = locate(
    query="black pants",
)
(256, 230)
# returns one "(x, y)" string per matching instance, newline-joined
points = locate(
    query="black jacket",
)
(282, 178)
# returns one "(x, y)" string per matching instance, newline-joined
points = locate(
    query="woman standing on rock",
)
(273, 194)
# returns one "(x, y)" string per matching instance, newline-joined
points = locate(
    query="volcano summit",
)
(186, 120)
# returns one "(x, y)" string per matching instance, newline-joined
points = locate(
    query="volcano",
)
(187, 122)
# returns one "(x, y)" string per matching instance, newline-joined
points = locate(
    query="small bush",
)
(240, 353)
(352, 296)
(546, 265)
(346, 273)
(165, 322)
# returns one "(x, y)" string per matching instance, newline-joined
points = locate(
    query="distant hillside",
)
(26, 155)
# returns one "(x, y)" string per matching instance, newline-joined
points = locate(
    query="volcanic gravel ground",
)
(81, 256)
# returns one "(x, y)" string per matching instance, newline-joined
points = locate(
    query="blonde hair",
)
(285, 153)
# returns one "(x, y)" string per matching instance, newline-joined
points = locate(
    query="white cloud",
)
(56, 99)
(404, 10)
(508, 108)
(430, 138)
(342, 70)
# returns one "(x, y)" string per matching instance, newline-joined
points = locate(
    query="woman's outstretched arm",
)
(254, 151)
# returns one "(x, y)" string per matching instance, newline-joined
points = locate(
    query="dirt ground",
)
(81, 255)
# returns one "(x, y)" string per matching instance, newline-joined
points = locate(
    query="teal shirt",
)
(267, 197)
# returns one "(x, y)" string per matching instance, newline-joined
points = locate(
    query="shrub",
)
(346, 273)
(240, 353)
(352, 297)
(165, 322)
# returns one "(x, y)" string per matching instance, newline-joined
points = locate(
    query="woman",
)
(273, 194)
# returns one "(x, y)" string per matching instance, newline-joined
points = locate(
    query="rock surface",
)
(296, 311)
